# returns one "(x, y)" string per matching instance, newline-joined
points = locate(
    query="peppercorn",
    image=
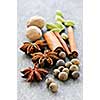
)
(75, 61)
(53, 87)
(75, 74)
(62, 55)
(74, 68)
(49, 80)
(63, 76)
(68, 64)
(60, 68)
(65, 70)
(56, 72)
(60, 62)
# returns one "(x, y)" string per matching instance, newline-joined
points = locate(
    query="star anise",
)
(46, 58)
(29, 48)
(35, 73)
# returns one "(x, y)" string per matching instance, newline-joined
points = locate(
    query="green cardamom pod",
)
(69, 23)
(59, 13)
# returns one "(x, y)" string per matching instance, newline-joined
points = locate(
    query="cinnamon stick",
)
(72, 42)
(52, 41)
(63, 44)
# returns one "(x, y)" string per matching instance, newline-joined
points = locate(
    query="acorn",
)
(61, 68)
(74, 68)
(53, 87)
(56, 72)
(68, 64)
(75, 74)
(62, 55)
(75, 61)
(60, 62)
(65, 70)
(49, 80)
(63, 76)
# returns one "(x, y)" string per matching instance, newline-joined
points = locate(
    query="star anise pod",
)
(29, 48)
(46, 58)
(35, 73)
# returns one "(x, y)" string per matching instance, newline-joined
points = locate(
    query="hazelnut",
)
(63, 76)
(68, 64)
(75, 74)
(74, 68)
(65, 70)
(62, 55)
(60, 62)
(36, 21)
(56, 72)
(53, 87)
(49, 80)
(33, 33)
(60, 68)
(75, 61)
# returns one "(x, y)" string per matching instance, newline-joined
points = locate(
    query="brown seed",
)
(75, 74)
(68, 64)
(49, 80)
(63, 76)
(56, 72)
(74, 68)
(62, 55)
(53, 87)
(65, 70)
(75, 61)
(61, 68)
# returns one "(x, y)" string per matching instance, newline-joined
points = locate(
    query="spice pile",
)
(50, 49)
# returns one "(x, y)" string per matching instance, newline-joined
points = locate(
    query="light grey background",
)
(72, 9)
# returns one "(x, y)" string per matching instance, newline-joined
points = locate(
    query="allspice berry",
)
(36, 21)
(56, 72)
(49, 80)
(60, 62)
(33, 33)
(74, 68)
(68, 64)
(53, 87)
(62, 55)
(61, 68)
(65, 70)
(75, 61)
(75, 74)
(63, 76)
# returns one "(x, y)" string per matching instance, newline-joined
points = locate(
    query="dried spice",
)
(35, 73)
(29, 48)
(46, 58)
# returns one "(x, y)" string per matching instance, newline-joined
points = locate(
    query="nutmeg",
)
(36, 21)
(33, 33)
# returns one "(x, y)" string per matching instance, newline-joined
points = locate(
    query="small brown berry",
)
(62, 55)
(65, 70)
(75, 61)
(75, 74)
(63, 76)
(56, 72)
(53, 87)
(74, 68)
(60, 68)
(49, 80)
(68, 64)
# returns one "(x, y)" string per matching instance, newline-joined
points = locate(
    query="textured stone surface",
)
(72, 9)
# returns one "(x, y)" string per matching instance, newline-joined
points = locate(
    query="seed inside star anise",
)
(35, 73)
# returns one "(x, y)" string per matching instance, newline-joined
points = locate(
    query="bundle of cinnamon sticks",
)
(55, 42)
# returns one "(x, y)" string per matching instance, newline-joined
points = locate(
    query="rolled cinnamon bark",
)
(72, 42)
(63, 44)
(52, 41)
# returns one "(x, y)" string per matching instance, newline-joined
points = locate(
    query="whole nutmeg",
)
(33, 33)
(75, 61)
(62, 55)
(75, 74)
(60, 62)
(68, 64)
(74, 68)
(49, 80)
(65, 70)
(63, 76)
(61, 68)
(56, 72)
(36, 21)
(53, 87)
